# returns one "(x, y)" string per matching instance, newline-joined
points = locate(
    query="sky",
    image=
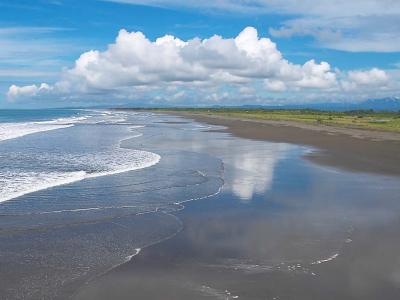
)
(60, 53)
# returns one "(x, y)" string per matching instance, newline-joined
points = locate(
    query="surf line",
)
(179, 207)
(321, 261)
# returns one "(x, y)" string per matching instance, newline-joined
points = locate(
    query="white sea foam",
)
(70, 167)
(15, 130)
(19, 129)
(17, 183)
(216, 293)
(63, 121)
(321, 261)
(137, 251)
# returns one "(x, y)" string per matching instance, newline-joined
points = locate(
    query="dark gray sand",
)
(230, 251)
(350, 149)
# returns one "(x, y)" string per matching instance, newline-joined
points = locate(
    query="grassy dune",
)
(388, 121)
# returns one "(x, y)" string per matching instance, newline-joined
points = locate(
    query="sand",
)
(346, 148)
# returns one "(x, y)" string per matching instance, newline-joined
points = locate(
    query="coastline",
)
(357, 150)
(278, 244)
(277, 219)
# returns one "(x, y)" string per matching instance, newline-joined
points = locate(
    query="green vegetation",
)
(365, 119)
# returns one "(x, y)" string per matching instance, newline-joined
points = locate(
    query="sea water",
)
(43, 149)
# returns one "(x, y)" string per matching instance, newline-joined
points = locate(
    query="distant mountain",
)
(389, 104)
(383, 104)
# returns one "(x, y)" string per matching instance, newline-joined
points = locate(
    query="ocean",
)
(38, 164)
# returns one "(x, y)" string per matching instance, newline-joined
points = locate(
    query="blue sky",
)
(41, 42)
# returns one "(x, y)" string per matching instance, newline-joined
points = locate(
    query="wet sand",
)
(350, 149)
(331, 235)
(228, 251)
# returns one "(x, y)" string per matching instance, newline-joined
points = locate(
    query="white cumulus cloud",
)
(133, 61)
(28, 90)
(373, 78)
(173, 69)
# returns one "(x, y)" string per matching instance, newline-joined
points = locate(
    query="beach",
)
(347, 148)
(199, 150)
(143, 205)
(282, 227)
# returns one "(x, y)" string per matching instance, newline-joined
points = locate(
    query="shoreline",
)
(357, 150)
(216, 254)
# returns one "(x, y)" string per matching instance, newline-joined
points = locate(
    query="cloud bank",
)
(213, 69)
(321, 7)
(356, 25)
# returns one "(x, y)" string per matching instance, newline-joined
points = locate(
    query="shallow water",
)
(267, 224)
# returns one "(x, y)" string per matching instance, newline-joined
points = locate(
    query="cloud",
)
(357, 25)
(216, 69)
(374, 78)
(274, 85)
(373, 33)
(28, 90)
(322, 7)
(7, 31)
(247, 90)
(33, 54)
(135, 61)
(26, 46)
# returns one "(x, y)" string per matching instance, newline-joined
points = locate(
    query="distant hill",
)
(383, 104)
(389, 104)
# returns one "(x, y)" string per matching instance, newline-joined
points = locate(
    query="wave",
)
(15, 130)
(14, 184)
(321, 261)
(48, 169)
(19, 129)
